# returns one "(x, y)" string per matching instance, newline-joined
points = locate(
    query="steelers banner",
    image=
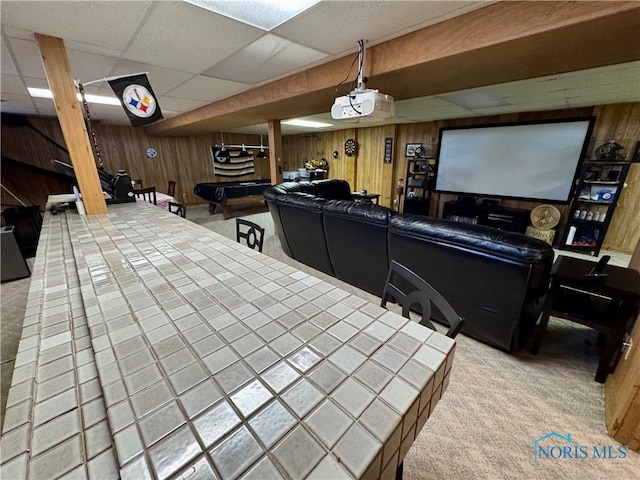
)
(137, 99)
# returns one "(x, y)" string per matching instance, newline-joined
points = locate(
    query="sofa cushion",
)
(356, 236)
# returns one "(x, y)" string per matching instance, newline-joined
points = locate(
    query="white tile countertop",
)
(155, 348)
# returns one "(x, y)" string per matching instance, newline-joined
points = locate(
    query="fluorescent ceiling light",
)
(264, 14)
(298, 122)
(46, 93)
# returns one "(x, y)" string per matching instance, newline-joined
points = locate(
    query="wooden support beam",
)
(502, 42)
(275, 151)
(58, 71)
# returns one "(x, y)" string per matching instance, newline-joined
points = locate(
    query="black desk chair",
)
(251, 232)
(147, 194)
(178, 208)
(408, 289)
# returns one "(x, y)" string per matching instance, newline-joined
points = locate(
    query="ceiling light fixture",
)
(264, 14)
(46, 93)
(298, 122)
(261, 153)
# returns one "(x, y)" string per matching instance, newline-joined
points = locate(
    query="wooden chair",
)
(147, 194)
(178, 208)
(408, 289)
(137, 184)
(171, 189)
(253, 235)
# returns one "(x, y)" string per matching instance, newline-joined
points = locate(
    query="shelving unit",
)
(421, 174)
(598, 190)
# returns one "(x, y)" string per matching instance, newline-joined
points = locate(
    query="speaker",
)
(13, 265)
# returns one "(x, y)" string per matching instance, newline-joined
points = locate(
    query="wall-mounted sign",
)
(388, 150)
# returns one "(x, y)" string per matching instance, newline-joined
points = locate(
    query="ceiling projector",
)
(363, 103)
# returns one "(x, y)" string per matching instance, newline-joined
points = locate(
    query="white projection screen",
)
(534, 161)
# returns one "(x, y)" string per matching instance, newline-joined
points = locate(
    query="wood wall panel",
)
(620, 122)
(187, 160)
(372, 173)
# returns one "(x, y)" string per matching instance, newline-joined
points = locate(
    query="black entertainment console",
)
(508, 219)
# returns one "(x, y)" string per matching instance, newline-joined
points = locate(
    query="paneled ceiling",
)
(195, 57)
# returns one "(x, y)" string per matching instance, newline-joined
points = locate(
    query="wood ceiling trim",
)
(502, 42)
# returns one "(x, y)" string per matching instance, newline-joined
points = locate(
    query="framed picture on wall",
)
(410, 150)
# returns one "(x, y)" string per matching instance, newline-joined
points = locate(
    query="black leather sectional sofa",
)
(495, 280)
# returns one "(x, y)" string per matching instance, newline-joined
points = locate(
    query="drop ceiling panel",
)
(7, 64)
(178, 104)
(162, 80)
(206, 89)
(27, 57)
(336, 27)
(110, 24)
(184, 37)
(12, 85)
(268, 57)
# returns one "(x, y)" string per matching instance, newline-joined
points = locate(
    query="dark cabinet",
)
(598, 190)
(418, 185)
(508, 219)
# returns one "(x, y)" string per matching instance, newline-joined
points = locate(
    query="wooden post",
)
(58, 71)
(275, 151)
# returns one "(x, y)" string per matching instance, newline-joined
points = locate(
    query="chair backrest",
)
(171, 189)
(178, 208)
(147, 194)
(137, 183)
(408, 289)
(251, 232)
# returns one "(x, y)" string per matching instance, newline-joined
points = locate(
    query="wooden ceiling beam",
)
(505, 41)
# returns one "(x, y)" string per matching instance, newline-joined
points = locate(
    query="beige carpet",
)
(496, 403)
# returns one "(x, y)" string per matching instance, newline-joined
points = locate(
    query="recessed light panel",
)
(264, 14)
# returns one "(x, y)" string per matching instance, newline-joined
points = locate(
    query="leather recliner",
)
(495, 280)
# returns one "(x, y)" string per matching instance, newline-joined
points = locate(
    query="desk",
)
(366, 197)
(620, 290)
(188, 353)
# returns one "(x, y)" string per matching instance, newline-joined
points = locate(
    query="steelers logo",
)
(139, 101)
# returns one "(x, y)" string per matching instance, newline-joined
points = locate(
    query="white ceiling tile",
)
(110, 24)
(178, 104)
(184, 37)
(336, 26)
(45, 106)
(206, 89)
(12, 85)
(162, 79)
(27, 57)
(7, 61)
(268, 57)
(87, 67)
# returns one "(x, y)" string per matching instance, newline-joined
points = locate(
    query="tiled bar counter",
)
(154, 348)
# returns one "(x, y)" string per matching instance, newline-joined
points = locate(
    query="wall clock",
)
(350, 147)
(152, 152)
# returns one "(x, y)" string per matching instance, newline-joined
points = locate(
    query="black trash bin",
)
(28, 223)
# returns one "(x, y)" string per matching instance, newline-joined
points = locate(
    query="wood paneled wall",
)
(187, 160)
(620, 122)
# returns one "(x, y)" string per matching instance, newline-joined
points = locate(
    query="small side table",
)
(366, 197)
(620, 288)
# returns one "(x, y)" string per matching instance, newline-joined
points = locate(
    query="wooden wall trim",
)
(501, 42)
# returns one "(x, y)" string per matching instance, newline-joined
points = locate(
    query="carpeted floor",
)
(496, 403)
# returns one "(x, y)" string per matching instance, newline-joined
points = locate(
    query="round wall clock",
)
(350, 147)
(152, 152)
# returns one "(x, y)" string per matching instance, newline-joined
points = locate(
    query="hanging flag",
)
(227, 163)
(137, 99)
